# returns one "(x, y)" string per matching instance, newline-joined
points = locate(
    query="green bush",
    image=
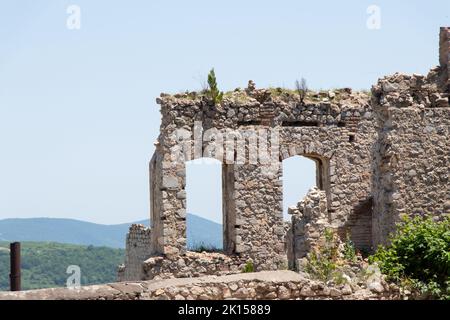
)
(418, 255)
(249, 267)
(349, 249)
(322, 262)
(213, 93)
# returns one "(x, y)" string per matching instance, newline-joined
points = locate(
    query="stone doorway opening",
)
(204, 231)
(299, 176)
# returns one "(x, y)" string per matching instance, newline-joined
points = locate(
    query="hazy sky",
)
(78, 116)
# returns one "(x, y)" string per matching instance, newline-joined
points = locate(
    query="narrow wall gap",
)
(300, 124)
(204, 205)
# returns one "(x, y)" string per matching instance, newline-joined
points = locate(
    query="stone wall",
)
(412, 152)
(268, 285)
(377, 157)
(309, 221)
(444, 54)
(259, 227)
(138, 249)
(193, 264)
(332, 128)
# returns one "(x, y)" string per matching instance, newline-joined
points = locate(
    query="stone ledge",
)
(259, 285)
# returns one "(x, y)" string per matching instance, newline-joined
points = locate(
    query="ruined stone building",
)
(379, 156)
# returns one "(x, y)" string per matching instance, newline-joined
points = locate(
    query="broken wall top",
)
(272, 107)
(403, 91)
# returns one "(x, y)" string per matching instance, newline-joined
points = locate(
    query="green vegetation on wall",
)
(213, 92)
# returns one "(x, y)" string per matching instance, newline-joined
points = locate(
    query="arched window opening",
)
(299, 175)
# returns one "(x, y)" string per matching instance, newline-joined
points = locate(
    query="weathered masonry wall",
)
(280, 285)
(332, 128)
(343, 154)
(138, 249)
(309, 221)
(444, 56)
(378, 157)
(412, 152)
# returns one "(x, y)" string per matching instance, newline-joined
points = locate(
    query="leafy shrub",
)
(213, 93)
(418, 255)
(349, 249)
(249, 267)
(322, 261)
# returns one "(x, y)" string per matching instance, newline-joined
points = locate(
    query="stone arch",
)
(299, 175)
(322, 161)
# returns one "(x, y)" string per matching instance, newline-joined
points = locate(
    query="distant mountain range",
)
(200, 232)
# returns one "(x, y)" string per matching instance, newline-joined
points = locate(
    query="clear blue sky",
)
(77, 107)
